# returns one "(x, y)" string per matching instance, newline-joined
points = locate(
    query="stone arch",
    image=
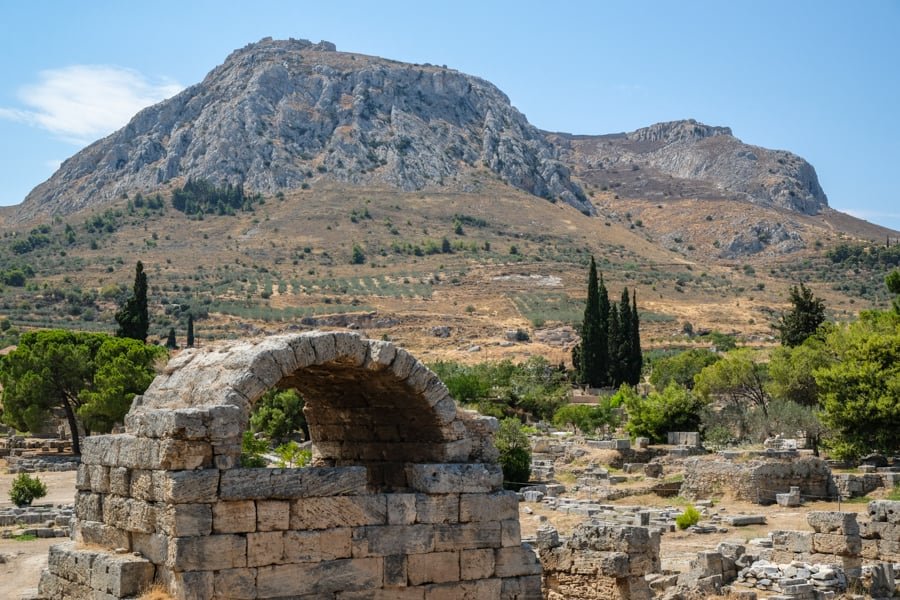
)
(405, 496)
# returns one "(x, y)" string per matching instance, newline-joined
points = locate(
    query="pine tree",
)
(133, 318)
(803, 320)
(637, 357)
(190, 331)
(591, 333)
(171, 343)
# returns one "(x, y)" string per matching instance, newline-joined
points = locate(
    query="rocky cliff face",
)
(279, 114)
(690, 159)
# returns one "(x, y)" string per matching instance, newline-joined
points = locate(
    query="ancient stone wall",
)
(757, 480)
(599, 561)
(404, 499)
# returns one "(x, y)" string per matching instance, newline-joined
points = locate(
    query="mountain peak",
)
(677, 131)
(283, 114)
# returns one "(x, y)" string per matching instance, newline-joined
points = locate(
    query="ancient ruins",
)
(405, 498)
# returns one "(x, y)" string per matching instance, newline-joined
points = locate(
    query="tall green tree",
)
(133, 317)
(515, 453)
(804, 318)
(171, 342)
(603, 342)
(673, 409)
(279, 414)
(625, 354)
(860, 390)
(681, 368)
(892, 281)
(190, 331)
(614, 344)
(92, 377)
(637, 356)
(740, 378)
(591, 357)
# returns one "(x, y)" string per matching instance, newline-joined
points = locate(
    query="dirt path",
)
(23, 564)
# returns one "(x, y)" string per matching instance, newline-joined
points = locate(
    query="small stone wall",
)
(757, 480)
(404, 499)
(42, 462)
(599, 560)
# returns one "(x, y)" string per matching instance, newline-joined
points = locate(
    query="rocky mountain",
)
(690, 159)
(281, 114)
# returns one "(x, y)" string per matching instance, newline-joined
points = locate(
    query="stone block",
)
(885, 511)
(392, 539)
(524, 588)
(238, 516)
(317, 546)
(185, 520)
(245, 484)
(744, 520)
(396, 571)
(70, 563)
(281, 581)
(442, 508)
(392, 593)
(121, 575)
(147, 485)
(454, 478)
(340, 511)
(180, 487)
(467, 536)
(236, 584)
(510, 532)
(434, 567)
(840, 523)
(793, 541)
(152, 546)
(880, 530)
(841, 545)
(498, 506)
(191, 585)
(88, 506)
(120, 481)
(273, 515)
(464, 590)
(91, 532)
(476, 564)
(265, 548)
(181, 423)
(207, 553)
(401, 509)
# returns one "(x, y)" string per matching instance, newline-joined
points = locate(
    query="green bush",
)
(515, 453)
(690, 516)
(25, 489)
(252, 451)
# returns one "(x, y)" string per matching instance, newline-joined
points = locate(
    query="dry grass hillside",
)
(515, 262)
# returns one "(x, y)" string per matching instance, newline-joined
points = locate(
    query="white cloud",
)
(81, 103)
(868, 214)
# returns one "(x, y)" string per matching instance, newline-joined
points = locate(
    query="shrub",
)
(252, 451)
(25, 489)
(515, 453)
(690, 516)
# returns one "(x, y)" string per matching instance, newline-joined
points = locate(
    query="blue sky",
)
(818, 78)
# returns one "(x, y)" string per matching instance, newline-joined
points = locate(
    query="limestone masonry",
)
(404, 500)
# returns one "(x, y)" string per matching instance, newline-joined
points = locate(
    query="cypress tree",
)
(615, 342)
(626, 339)
(637, 357)
(133, 318)
(190, 331)
(603, 343)
(171, 343)
(590, 333)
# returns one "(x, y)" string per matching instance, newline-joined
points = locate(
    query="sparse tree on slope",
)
(804, 319)
(133, 318)
(190, 331)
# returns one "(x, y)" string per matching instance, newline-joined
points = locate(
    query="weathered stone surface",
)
(516, 561)
(476, 564)
(265, 548)
(498, 506)
(401, 509)
(207, 553)
(443, 508)
(186, 520)
(840, 523)
(190, 486)
(466, 536)
(317, 546)
(273, 515)
(350, 574)
(393, 539)
(239, 584)
(121, 575)
(234, 517)
(340, 511)
(449, 478)
(435, 567)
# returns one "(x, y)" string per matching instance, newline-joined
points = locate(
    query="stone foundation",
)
(757, 480)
